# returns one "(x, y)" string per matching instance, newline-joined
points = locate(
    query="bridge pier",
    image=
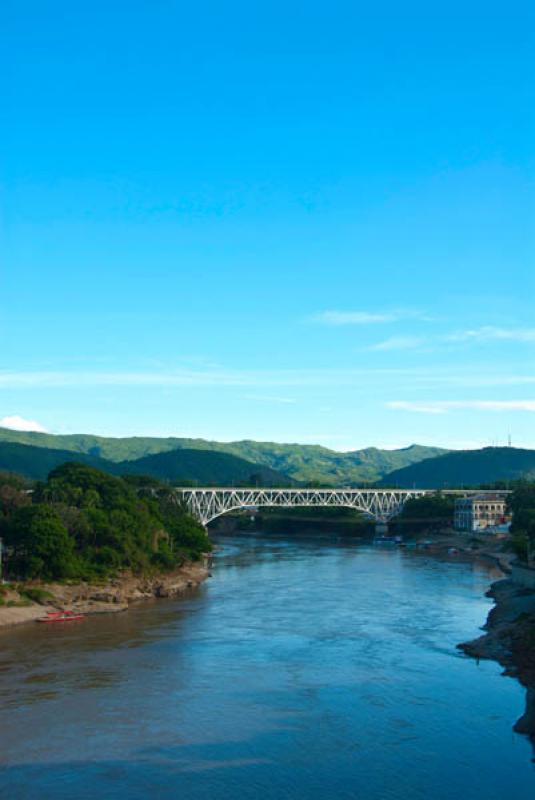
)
(381, 528)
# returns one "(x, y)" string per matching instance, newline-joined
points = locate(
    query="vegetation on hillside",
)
(85, 524)
(36, 462)
(345, 521)
(200, 467)
(466, 468)
(204, 467)
(430, 511)
(522, 503)
(304, 463)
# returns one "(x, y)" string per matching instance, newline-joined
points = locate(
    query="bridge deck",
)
(207, 503)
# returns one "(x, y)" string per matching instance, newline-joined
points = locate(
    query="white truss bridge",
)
(378, 504)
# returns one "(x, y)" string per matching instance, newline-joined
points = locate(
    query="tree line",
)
(522, 504)
(84, 524)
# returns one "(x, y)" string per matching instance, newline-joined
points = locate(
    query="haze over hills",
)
(304, 463)
(466, 468)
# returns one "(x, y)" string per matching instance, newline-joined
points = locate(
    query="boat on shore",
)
(61, 616)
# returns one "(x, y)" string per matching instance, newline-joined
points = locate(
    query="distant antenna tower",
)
(509, 441)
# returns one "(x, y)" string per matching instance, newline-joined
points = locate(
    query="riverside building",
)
(481, 512)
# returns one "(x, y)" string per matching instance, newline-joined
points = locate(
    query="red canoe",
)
(60, 616)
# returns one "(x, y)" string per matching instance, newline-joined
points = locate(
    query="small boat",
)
(61, 616)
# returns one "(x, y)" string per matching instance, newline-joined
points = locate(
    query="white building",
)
(481, 512)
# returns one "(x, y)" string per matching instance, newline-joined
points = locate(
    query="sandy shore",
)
(104, 598)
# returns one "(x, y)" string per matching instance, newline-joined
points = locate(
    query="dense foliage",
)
(522, 504)
(83, 523)
(430, 511)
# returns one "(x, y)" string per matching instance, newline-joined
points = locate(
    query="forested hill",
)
(37, 462)
(204, 467)
(303, 463)
(466, 468)
(198, 466)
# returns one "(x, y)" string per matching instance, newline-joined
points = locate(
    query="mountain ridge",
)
(302, 462)
(466, 468)
(200, 466)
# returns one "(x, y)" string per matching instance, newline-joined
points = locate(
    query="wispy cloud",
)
(443, 406)
(489, 333)
(399, 343)
(353, 317)
(467, 376)
(266, 398)
(365, 317)
(16, 423)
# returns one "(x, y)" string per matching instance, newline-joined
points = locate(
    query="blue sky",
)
(292, 221)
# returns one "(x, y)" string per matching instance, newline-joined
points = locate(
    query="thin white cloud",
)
(487, 333)
(399, 343)
(265, 398)
(443, 406)
(353, 317)
(467, 376)
(490, 333)
(16, 423)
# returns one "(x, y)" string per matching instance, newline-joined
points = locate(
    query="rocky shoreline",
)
(509, 639)
(111, 596)
(509, 636)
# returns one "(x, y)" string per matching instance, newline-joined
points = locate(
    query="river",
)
(304, 668)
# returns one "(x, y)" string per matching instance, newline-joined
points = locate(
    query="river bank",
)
(452, 545)
(107, 597)
(509, 639)
(509, 636)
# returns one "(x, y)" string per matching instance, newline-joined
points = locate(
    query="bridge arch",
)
(206, 504)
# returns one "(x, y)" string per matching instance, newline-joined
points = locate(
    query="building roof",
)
(483, 497)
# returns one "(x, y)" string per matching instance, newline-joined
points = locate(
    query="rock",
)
(526, 723)
(104, 597)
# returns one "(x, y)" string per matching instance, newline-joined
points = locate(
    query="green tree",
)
(40, 543)
(86, 522)
(522, 505)
(428, 511)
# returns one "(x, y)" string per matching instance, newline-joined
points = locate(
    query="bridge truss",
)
(378, 504)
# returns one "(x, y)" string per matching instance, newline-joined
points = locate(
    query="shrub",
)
(36, 595)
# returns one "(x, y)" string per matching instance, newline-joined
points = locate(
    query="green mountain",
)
(466, 468)
(304, 463)
(37, 462)
(201, 466)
